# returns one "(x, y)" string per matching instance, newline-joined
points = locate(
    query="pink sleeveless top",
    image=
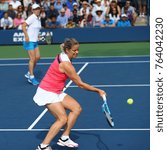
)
(54, 80)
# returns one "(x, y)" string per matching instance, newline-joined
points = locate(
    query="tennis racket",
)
(107, 112)
(46, 37)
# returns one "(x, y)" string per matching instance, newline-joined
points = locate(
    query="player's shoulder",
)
(32, 17)
(64, 57)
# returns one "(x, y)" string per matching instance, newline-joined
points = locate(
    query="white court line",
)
(125, 85)
(108, 62)
(133, 56)
(45, 110)
(92, 129)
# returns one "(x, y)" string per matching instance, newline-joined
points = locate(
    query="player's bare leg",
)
(58, 111)
(75, 110)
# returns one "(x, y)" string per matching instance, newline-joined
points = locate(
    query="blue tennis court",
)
(24, 124)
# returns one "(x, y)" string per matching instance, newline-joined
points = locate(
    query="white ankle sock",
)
(64, 137)
(31, 76)
(43, 145)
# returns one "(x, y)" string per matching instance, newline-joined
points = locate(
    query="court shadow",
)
(57, 147)
(39, 74)
(100, 144)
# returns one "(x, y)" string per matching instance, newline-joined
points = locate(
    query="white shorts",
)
(43, 97)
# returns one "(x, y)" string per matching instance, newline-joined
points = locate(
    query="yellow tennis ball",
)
(130, 101)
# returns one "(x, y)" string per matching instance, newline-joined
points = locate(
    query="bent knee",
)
(32, 59)
(38, 58)
(63, 119)
(78, 110)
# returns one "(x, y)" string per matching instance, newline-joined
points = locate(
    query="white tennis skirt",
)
(43, 97)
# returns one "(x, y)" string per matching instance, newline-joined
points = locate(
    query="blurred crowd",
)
(73, 13)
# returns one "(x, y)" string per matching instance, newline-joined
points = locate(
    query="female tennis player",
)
(50, 94)
(31, 28)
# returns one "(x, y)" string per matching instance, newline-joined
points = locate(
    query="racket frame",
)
(107, 112)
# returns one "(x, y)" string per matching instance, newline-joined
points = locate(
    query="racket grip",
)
(104, 97)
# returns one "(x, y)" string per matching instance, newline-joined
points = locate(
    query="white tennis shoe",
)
(45, 148)
(67, 142)
(27, 75)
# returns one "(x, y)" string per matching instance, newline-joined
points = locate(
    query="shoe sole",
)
(61, 144)
(26, 76)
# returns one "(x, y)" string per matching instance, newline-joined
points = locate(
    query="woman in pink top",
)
(18, 21)
(50, 94)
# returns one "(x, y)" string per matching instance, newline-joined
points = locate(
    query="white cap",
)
(75, 4)
(62, 10)
(123, 15)
(35, 6)
(99, 9)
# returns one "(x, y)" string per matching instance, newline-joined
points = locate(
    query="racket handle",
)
(104, 97)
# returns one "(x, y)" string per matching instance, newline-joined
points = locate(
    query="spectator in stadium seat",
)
(15, 4)
(62, 18)
(68, 13)
(43, 17)
(45, 4)
(142, 7)
(76, 18)
(26, 3)
(113, 5)
(98, 17)
(52, 23)
(3, 7)
(106, 4)
(83, 17)
(11, 12)
(83, 23)
(107, 22)
(18, 21)
(98, 6)
(130, 12)
(70, 4)
(90, 19)
(52, 11)
(6, 22)
(75, 6)
(114, 15)
(123, 22)
(85, 7)
(58, 5)
(28, 10)
(21, 11)
(70, 23)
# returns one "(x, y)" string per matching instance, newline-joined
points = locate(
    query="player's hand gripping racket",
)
(107, 112)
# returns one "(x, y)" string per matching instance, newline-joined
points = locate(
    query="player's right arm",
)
(69, 70)
(24, 26)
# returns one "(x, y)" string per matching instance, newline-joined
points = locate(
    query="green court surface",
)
(91, 49)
